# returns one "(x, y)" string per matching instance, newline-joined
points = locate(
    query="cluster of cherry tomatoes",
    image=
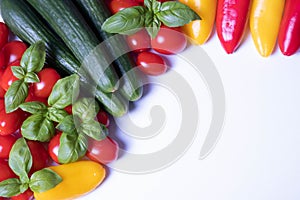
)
(148, 52)
(43, 154)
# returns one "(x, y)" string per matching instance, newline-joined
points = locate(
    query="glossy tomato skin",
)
(104, 151)
(8, 77)
(40, 158)
(169, 41)
(69, 109)
(10, 122)
(2, 91)
(5, 171)
(117, 5)
(2, 61)
(139, 41)
(4, 33)
(6, 143)
(27, 195)
(151, 63)
(54, 146)
(31, 97)
(48, 77)
(13, 51)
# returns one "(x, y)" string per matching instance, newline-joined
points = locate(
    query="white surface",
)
(257, 156)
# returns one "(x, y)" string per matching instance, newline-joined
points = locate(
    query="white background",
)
(257, 156)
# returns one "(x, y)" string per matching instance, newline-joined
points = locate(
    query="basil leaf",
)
(153, 5)
(94, 130)
(38, 127)
(152, 24)
(56, 115)
(10, 187)
(174, 14)
(67, 124)
(20, 159)
(34, 57)
(64, 91)
(126, 21)
(44, 180)
(31, 77)
(15, 95)
(85, 108)
(34, 107)
(18, 72)
(72, 147)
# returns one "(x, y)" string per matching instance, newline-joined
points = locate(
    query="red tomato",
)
(54, 146)
(2, 61)
(48, 77)
(8, 77)
(39, 154)
(69, 109)
(27, 195)
(103, 118)
(4, 33)
(169, 41)
(10, 122)
(13, 51)
(32, 97)
(5, 171)
(2, 91)
(151, 63)
(104, 151)
(6, 143)
(117, 5)
(139, 41)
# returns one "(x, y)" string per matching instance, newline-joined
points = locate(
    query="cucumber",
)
(96, 12)
(71, 27)
(24, 22)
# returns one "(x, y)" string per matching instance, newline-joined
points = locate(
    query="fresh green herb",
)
(40, 125)
(20, 161)
(150, 16)
(31, 63)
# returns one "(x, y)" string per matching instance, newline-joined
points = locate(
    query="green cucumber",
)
(71, 27)
(96, 12)
(25, 23)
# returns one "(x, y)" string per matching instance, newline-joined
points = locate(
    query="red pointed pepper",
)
(289, 34)
(231, 21)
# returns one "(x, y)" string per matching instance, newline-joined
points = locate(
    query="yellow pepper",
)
(200, 30)
(78, 178)
(265, 18)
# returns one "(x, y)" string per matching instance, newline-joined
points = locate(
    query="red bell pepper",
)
(231, 21)
(289, 34)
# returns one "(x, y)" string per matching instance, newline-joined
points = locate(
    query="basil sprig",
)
(150, 16)
(40, 125)
(31, 63)
(77, 129)
(20, 161)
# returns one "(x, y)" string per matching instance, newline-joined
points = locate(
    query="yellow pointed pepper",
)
(265, 18)
(78, 178)
(200, 30)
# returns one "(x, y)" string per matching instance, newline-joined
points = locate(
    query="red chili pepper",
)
(231, 21)
(289, 34)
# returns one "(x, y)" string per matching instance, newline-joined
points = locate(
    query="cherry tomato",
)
(54, 146)
(40, 158)
(8, 77)
(6, 143)
(4, 33)
(139, 41)
(103, 118)
(27, 195)
(2, 91)
(151, 63)
(5, 171)
(117, 5)
(69, 109)
(2, 61)
(169, 41)
(10, 122)
(48, 77)
(13, 51)
(104, 151)
(32, 97)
